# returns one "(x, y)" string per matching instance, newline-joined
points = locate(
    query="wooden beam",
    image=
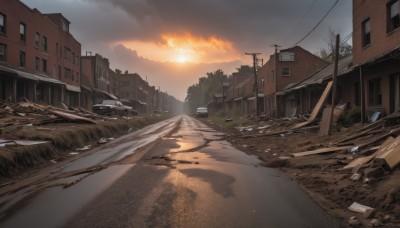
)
(320, 151)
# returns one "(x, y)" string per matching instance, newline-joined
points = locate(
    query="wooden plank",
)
(317, 107)
(72, 117)
(325, 122)
(390, 153)
(359, 161)
(320, 151)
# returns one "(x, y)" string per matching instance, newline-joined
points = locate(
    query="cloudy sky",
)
(174, 42)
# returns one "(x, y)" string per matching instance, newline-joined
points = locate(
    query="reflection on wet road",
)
(177, 173)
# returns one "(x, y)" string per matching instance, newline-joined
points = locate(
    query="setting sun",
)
(184, 48)
(182, 59)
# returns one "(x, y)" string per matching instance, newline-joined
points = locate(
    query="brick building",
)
(376, 42)
(95, 79)
(288, 66)
(134, 90)
(39, 58)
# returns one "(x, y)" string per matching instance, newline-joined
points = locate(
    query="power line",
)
(301, 21)
(316, 24)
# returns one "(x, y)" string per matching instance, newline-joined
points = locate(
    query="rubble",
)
(355, 163)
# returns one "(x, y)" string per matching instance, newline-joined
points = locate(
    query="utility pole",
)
(276, 78)
(255, 78)
(334, 78)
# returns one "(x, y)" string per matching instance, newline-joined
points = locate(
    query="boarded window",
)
(286, 56)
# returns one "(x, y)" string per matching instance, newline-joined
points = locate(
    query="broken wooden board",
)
(359, 161)
(325, 122)
(390, 154)
(317, 107)
(72, 117)
(320, 151)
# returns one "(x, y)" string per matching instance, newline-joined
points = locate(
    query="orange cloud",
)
(186, 48)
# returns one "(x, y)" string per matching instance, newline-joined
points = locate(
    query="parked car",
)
(111, 107)
(201, 112)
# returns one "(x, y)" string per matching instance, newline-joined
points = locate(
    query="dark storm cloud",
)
(251, 25)
(247, 23)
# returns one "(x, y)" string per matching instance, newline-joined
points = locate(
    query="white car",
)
(201, 112)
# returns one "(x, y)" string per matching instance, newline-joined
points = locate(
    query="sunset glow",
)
(186, 48)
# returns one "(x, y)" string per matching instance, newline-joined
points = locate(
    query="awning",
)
(107, 94)
(86, 87)
(20, 74)
(73, 88)
(50, 80)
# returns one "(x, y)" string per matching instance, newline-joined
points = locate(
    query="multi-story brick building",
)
(135, 90)
(95, 79)
(283, 68)
(39, 58)
(376, 42)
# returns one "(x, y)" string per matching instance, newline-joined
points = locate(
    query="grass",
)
(220, 118)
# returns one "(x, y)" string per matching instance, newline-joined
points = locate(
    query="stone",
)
(354, 222)
(374, 223)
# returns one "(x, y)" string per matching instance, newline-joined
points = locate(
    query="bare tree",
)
(327, 53)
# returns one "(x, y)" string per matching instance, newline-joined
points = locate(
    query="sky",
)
(173, 43)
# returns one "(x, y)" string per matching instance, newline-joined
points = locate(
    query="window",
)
(286, 56)
(37, 63)
(67, 53)
(286, 71)
(22, 58)
(67, 74)
(54, 70)
(73, 57)
(3, 52)
(64, 25)
(59, 72)
(374, 92)
(22, 32)
(273, 76)
(57, 51)
(37, 37)
(44, 65)
(44, 44)
(393, 18)
(2, 23)
(366, 32)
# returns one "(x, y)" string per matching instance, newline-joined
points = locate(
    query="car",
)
(112, 107)
(201, 112)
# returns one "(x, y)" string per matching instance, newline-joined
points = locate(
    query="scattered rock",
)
(375, 223)
(354, 222)
(387, 218)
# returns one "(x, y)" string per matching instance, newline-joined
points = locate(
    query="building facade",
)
(283, 68)
(376, 42)
(39, 58)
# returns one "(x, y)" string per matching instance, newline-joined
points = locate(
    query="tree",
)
(326, 53)
(201, 93)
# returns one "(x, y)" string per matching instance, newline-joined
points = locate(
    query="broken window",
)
(393, 15)
(374, 92)
(366, 32)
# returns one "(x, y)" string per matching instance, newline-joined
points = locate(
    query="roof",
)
(344, 67)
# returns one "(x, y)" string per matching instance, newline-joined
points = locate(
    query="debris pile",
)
(354, 169)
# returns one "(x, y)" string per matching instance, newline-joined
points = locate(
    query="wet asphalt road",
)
(176, 173)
